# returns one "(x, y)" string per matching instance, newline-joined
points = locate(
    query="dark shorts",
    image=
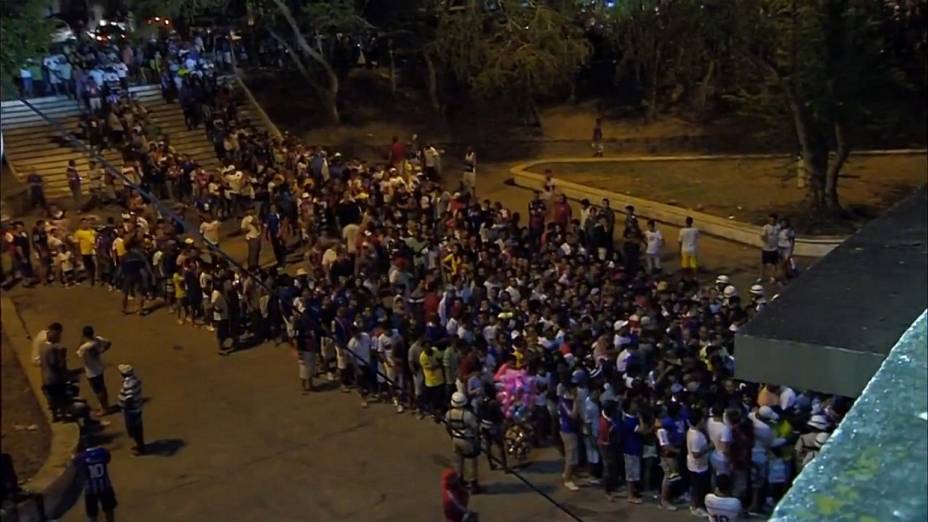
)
(769, 257)
(94, 501)
(96, 384)
(131, 283)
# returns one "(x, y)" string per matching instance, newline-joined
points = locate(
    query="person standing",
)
(44, 336)
(633, 448)
(697, 462)
(469, 177)
(74, 184)
(86, 239)
(721, 436)
(219, 307)
(398, 155)
(251, 227)
(608, 214)
(430, 360)
(93, 465)
(688, 240)
(598, 138)
(654, 242)
(491, 424)
(36, 191)
(130, 400)
(274, 227)
(669, 447)
(769, 254)
(91, 353)
(786, 244)
(359, 349)
(463, 427)
(568, 408)
(537, 213)
(632, 239)
(561, 212)
(53, 360)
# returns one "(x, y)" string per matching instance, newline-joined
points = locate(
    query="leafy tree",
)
(325, 23)
(820, 66)
(26, 34)
(670, 51)
(518, 51)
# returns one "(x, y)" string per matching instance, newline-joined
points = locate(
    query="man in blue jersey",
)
(93, 463)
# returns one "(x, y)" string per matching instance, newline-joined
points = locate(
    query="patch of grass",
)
(750, 189)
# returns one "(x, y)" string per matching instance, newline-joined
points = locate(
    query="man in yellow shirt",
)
(431, 362)
(86, 239)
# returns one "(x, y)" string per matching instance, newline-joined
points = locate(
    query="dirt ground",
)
(28, 447)
(749, 190)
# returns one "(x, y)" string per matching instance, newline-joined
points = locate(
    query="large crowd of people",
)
(416, 296)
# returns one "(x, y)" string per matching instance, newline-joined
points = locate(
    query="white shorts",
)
(307, 362)
(341, 358)
(632, 468)
(328, 348)
(571, 450)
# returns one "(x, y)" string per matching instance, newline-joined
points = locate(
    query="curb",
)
(57, 482)
(745, 233)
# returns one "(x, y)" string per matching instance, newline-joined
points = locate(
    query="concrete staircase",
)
(31, 145)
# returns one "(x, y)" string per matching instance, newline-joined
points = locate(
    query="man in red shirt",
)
(561, 211)
(398, 155)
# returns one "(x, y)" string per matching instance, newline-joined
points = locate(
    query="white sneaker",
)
(593, 481)
(400, 408)
(569, 484)
(698, 512)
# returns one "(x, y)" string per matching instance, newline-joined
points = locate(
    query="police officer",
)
(464, 428)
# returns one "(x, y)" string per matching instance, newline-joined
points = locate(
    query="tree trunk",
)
(331, 97)
(432, 78)
(832, 202)
(814, 157)
(653, 84)
(392, 73)
(702, 94)
(326, 97)
(329, 93)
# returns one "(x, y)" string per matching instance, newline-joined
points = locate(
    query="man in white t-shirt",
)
(763, 441)
(689, 237)
(654, 243)
(91, 354)
(210, 229)
(697, 462)
(251, 227)
(359, 352)
(769, 253)
(722, 505)
(720, 435)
